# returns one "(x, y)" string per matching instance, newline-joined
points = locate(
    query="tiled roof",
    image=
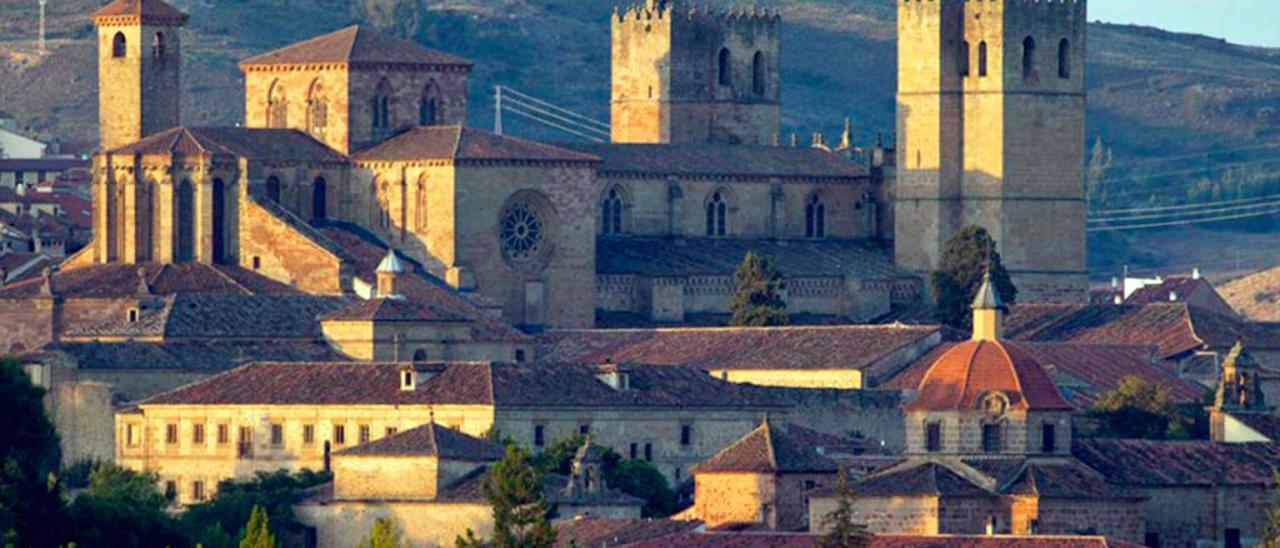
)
(464, 143)
(1061, 481)
(850, 347)
(121, 280)
(598, 532)
(430, 440)
(508, 385)
(1265, 424)
(15, 267)
(1081, 371)
(42, 164)
(764, 539)
(211, 316)
(738, 161)
(924, 479)
(666, 257)
(357, 45)
(187, 355)
(1148, 463)
(394, 310)
(963, 374)
(1172, 289)
(280, 145)
(767, 449)
(149, 11)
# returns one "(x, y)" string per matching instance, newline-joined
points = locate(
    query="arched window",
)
(611, 213)
(157, 45)
(319, 199)
(185, 246)
(118, 46)
(273, 189)
(1028, 59)
(317, 110)
(277, 107)
(717, 213)
(219, 221)
(982, 59)
(962, 60)
(429, 105)
(815, 218)
(725, 70)
(382, 107)
(758, 74)
(1064, 59)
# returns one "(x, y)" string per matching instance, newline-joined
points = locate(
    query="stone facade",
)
(687, 75)
(991, 108)
(139, 68)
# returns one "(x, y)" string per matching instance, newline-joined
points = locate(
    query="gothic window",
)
(157, 45)
(1028, 59)
(277, 107)
(219, 221)
(725, 70)
(963, 59)
(1064, 59)
(185, 247)
(717, 211)
(118, 48)
(273, 189)
(758, 74)
(815, 218)
(429, 106)
(521, 231)
(982, 59)
(317, 110)
(319, 199)
(382, 108)
(611, 213)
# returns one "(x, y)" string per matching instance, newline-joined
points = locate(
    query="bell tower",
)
(139, 68)
(991, 114)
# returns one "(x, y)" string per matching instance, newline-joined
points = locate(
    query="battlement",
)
(927, 7)
(666, 11)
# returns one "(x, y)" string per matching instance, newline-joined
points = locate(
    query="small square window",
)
(686, 435)
(130, 435)
(991, 438)
(933, 437)
(1048, 438)
(308, 434)
(277, 435)
(224, 436)
(197, 491)
(519, 356)
(339, 434)
(364, 433)
(635, 448)
(391, 431)
(257, 263)
(197, 434)
(170, 489)
(584, 429)
(648, 452)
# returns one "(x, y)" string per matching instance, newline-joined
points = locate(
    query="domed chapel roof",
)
(961, 379)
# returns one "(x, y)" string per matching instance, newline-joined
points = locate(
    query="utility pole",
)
(497, 110)
(43, 49)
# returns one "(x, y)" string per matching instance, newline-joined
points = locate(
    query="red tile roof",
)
(849, 347)
(770, 450)
(962, 375)
(922, 479)
(429, 440)
(145, 12)
(757, 539)
(394, 310)
(460, 143)
(1148, 463)
(592, 532)
(121, 280)
(282, 145)
(357, 45)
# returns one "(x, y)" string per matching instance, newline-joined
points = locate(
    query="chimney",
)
(1173, 296)
(1195, 273)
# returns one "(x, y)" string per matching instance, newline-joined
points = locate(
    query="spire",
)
(988, 298)
(391, 264)
(388, 276)
(987, 311)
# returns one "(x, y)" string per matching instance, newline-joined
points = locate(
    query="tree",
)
(842, 529)
(31, 500)
(123, 508)
(257, 534)
(969, 254)
(758, 300)
(640, 479)
(384, 534)
(1140, 409)
(520, 511)
(219, 523)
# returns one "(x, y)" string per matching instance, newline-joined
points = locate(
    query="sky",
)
(1252, 22)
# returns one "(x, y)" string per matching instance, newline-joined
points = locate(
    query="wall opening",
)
(118, 46)
(185, 230)
(219, 222)
(724, 70)
(319, 199)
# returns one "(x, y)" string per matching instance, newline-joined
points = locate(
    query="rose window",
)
(521, 232)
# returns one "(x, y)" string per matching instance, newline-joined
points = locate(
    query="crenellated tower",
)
(991, 114)
(139, 69)
(685, 75)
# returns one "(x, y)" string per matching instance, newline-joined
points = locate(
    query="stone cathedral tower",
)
(139, 65)
(991, 114)
(687, 75)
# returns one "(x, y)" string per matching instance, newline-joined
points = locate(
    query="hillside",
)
(1153, 94)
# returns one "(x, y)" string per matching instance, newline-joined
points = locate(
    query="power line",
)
(1188, 156)
(1274, 201)
(1189, 206)
(1116, 228)
(546, 113)
(1190, 171)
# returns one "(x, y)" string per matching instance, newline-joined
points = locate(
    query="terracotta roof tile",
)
(720, 256)
(148, 11)
(870, 349)
(463, 143)
(922, 479)
(1148, 463)
(429, 440)
(1062, 481)
(657, 162)
(394, 310)
(211, 316)
(187, 355)
(767, 449)
(760, 539)
(358, 45)
(115, 280)
(593, 532)
(959, 378)
(282, 145)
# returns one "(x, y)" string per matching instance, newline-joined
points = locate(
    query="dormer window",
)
(133, 315)
(414, 376)
(618, 377)
(406, 380)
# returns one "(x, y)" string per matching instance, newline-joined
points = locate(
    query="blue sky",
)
(1253, 22)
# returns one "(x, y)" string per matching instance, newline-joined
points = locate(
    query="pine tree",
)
(842, 529)
(758, 300)
(514, 490)
(385, 534)
(31, 501)
(969, 254)
(257, 534)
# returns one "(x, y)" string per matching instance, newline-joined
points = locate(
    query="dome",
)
(965, 376)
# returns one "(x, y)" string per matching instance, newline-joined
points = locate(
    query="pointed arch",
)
(724, 67)
(815, 217)
(717, 209)
(317, 109)
(962, 60)
(381, 107)
(759, 73)
(1064, 59)
(277, 106)
(429, 105)
(184, 248)
(119, 46)
(614, 204)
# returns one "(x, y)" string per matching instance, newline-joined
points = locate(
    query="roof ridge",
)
(233, 281)
(768, 443)
(457, 144)
(355, 36)
(968, 371)
(1017, 379)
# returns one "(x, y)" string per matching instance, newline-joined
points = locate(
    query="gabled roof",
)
(925, 479)
(394, 310)
(1150, 463)
(252, 143)
(121, 280)
(429, 440)
(667, 257)
(714, 161)
(144, 11)
(767, 450)
(357, 44)
(460, 143)
(964, 374)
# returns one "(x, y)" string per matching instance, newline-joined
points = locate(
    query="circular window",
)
(521, 232)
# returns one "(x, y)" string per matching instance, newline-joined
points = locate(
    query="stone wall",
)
(1118, 520)
(1185, 517)
(425, 524)
(138, 94)
(272, 247)
(1020, 432)
(297, 87)
(408, 86)
(735, 497)
(385, 477)
(29, 324)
